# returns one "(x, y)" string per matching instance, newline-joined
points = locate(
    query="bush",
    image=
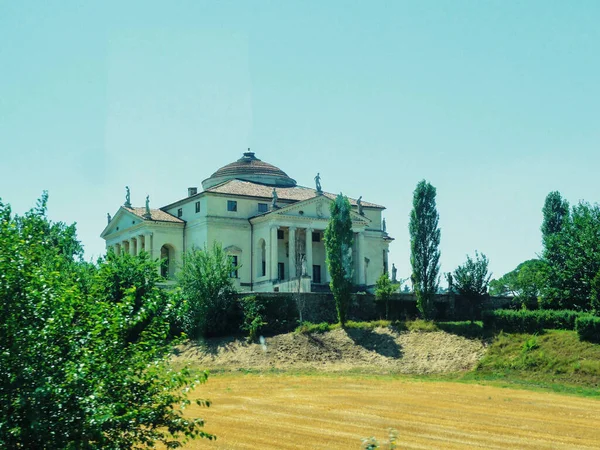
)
(588, 328)
(525, 321)
(253, 316)
(208, 292)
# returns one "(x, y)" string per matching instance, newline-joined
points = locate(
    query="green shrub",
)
(588, 328)
(253, 316)
(308, 327)
(422, 326)
(525, 321)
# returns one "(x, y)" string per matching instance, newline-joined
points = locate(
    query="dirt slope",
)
(379, 350)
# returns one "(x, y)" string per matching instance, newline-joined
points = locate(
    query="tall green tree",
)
(208, 291)
(424, 247)
(555, 211)
(338, 246)
(471, 281)
(84, 362)
(573, 258)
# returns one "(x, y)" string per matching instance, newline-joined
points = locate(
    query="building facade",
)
(271, 228)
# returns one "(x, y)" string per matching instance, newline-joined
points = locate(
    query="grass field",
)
(285, 411)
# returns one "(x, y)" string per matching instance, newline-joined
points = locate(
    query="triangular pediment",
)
(316, 208)
(122, 220)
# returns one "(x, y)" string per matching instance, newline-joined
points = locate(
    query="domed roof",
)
(250, 168)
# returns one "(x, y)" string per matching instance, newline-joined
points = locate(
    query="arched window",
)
(167, 266)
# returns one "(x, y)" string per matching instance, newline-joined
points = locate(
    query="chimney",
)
(192, 191)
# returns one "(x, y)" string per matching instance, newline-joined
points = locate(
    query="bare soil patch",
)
(381, 350)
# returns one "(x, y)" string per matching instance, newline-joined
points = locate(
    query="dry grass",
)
(334, 412)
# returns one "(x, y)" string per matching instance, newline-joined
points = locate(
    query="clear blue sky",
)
(496, 103)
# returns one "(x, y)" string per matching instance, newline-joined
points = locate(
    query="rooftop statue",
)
(147, 214)
(359, 204)
(127, 197)
(318, 183)
(108, 218)
(384, 226)
(274, 202)
(394, 273)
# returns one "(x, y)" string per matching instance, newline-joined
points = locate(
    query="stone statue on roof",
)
(394, 273)
(108, 218)
(147, 213)
(274, 202)
(127, 197)
(359, 204)
(383, 226)
(318, 183)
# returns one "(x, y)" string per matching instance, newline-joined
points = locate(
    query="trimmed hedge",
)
(530, 321)
(588, 328)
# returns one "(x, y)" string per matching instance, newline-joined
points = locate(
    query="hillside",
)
(381, 350)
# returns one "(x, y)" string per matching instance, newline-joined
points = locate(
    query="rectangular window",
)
(279, 234)
(234, 264)
(231, 205)
(263, 207)
(316, 236)
(197, 207)
(281, 270)
(264, 269)
(180, 212)
(316, 278)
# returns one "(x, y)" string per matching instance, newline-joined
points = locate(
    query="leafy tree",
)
(338, 247)
(424, 247)
(595, 298)
(384, 288)
(207, 290)
(72, 373)
(555, 211)
(471, 281)
(525, 283)
(573, 258)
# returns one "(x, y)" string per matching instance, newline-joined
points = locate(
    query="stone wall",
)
(282, 309)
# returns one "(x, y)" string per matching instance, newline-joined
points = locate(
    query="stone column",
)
(361, 258)
(132, 246)
(292, 252)
(273, 249)
(117, 248)
(309, 253)
(149, 238)
(140, 247)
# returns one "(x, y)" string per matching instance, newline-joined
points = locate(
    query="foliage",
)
(372, 444)
(525, 283)
(525, 321)
(555, 211)
(573, 258)
(421, 326)
(338, 246)
(384, 288)
(424, 247)
(595, 294)
(207, 290)
(588, 328)
(83, 349)
(471, 281)
(555, 359)
(253, 316)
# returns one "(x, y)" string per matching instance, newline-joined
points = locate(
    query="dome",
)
(250, 168)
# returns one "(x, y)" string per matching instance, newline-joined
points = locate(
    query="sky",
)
(495, 103)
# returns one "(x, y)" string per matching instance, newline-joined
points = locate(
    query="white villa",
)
(271, 227)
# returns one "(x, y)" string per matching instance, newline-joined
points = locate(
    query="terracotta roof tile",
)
(156, 214)
(297, 193)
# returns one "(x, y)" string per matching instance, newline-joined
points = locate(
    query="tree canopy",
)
(84, 347)
(471, 280)
(525, 283)
(424, 247)
(338, 246)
